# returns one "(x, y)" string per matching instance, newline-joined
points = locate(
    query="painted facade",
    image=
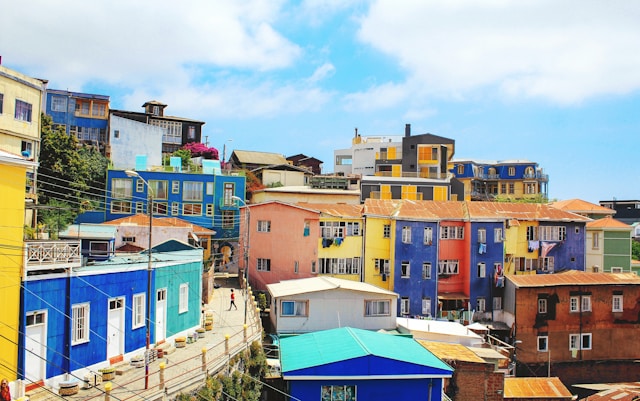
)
(202, 199)
(83, 115)
(13, 170)
(283, 242)
(508, 179)
(608, 246)
(78, 319)
(130, 138)
(350, 364)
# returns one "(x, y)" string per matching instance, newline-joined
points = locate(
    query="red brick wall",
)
(475, 381)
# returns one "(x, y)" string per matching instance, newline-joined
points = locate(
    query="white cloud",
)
(565, 52)
(325, 70)
(377, 97)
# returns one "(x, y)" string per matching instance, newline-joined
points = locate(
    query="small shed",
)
(353, 364)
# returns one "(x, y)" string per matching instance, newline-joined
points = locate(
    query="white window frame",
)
(406, 234)
(543, 306)
(263, 265)
(377, 307)
(482, 235)
(405, 269)
(574, 304)
(426, 270)
(481, 304)
(448, 266)
(80, 323)
(175, 187)
(209, 209)
(264, 226)
(300, 308)
(544, 347)
(404, 306)
(138, 313)
(386, 231)
(184, 298)
(586, 303)
(426, 306)
(192, 191)
(497, 303)
(497, 235)
(576, 341)
(428, 235)
(595, 241)
(482, 270)
(617, 304)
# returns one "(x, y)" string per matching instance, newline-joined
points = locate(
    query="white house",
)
(322, 303)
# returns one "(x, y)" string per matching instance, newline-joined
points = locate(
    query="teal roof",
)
(329, 346)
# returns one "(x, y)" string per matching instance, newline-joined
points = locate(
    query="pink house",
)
(283, 243)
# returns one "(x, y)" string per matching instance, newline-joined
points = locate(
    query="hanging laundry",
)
(337, 241)
(533, 246)
(327, 242)
(546, 247)
(482, 248)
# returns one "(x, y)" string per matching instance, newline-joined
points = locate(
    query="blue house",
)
(78, 319)
(83, 115)
(353, 364)
(97, 240)
(203, 199)
(486, 264)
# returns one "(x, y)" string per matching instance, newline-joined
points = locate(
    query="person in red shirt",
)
(5, 393)
(233, 300)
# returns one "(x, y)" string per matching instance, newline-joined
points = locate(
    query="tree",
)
(198, 149)
(184, 155)
(635, 250)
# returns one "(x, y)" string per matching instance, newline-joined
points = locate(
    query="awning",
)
(453, 296)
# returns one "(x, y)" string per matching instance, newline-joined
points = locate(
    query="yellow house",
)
(13, 170)
(379, 243)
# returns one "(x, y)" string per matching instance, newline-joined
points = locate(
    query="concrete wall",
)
(134, 138)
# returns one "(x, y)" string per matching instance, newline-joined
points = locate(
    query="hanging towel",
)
(482, 248)
(533, 246)
(337, 241)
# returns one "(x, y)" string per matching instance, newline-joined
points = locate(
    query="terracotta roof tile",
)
(581, 206)
(608, 222)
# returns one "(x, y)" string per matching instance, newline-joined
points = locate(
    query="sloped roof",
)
(142, 220)
(451, 351)
(436, 326)
(535, 387)
(281, 167)
(581, 206)
(609, 222)
(265, 158)
(573, 277)
(93, 231)
(322, 283)
(521, 211)
(431, 210)
(330, 346)
(335, 209)
(379, 207)
(617, 394)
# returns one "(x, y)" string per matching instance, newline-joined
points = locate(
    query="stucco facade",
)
(130, 138)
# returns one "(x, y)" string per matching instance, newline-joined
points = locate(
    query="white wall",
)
(286, 178)
(333, 309)
(135, 138)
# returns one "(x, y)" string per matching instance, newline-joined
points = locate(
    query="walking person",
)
(5, 393)
(233, 300)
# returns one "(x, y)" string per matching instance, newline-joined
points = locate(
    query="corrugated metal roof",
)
(335, 209)
(143, 220)
(379, 207)
(618, 394)
(95, 231)
(573, 277)
(436, 326)
(316, 284)
(264, 158)
(535, 387)
(609, 222)
(581, 206)
(487, 353)
(450, 351)
(329, 346)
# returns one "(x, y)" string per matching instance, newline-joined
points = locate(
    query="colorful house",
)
(77, 319)
(352, 364)
(13, 169)
(378, 242)
(608, 246)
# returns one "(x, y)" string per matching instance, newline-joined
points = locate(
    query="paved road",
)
(185, 367)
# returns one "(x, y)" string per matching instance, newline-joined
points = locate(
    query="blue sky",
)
(555, 82)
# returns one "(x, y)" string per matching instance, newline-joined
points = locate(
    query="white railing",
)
(52, 254)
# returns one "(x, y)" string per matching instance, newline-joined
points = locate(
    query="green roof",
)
(329, 346)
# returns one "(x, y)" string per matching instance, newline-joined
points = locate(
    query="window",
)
(542, 306)
(512, 188)
(129, 240)
(139, 310)
(580, 303)
(35, 319)
(338, 393)
(460, 168)
(160, 208)
(426, 306)
(595, 241)
(116, 133)
(80, 322)
(404, 306)
(616, 269)
(293, 308)
(139, 207)
(497, 303)
(353, 228)
(295, 266)
(406, 234)
(120, 207)
(175, 187)
(382, 266)
(386, 231)
(497, 235)
(1, 102)
(192, 209)
(377, 308)
(340, 265)
(530, 188)
(23, 111)
(482, 270)
(451, 232)
(313, 266)
(524, 264)
(209, 209)
(99, 248)
(543, 343)
(263, 265)
(159, 189)
(227, 195)
(191, 133)
(503, 188)
(573, 304)
(616, 303)
(58, 103)
(184, 298)
(228, 218)
(332, 229)
(426, 271)
(121, 188)
(405, 269)
(175, 208)
(586, 303)
(428, 236)
(531, 233)
(98, 110)
(552, 233)
(512, 171)
(264, 226)
(82, 107)
(580, 341)
(192, 191)
(480, 304)
(448, 267)
(546, 264)
(482, 235)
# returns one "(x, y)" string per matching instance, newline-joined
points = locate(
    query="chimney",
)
(407, 130)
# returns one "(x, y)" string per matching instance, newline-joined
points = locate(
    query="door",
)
(35, 346)
(161, 314)
(115, 328)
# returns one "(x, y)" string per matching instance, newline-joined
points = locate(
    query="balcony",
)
(51, 255)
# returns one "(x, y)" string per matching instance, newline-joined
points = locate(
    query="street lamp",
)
(246, 252)
(131, 173)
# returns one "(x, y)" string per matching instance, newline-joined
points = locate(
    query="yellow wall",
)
(13, 131)
(378, 247)
(517, 246)
(351, 247)
(12, 184)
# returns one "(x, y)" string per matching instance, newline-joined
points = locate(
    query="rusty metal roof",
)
(573, 277)
(379, 207)
(335, 209)
(608, 222)
(143, 221)
(450, 351)
(535, 387)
